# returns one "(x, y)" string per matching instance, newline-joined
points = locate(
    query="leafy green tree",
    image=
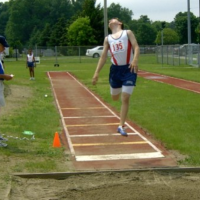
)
(58, 33)
(46, 22)
(116, 10)
(95, 14)
(169, 37)
(144, 19)
(77, 5)
(26, 15)
(181, 27)
(45, 35)
(4, 15)
(158, 25)
(81, 33)
(134, 25)
(197, 31)
(35, 38)
(143, 29)
(145, 34)
(59, 9)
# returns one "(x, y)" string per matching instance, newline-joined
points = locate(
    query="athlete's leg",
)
(126, 94)
(124, 107)
(33, 75)
(29, 71)
(115, 93)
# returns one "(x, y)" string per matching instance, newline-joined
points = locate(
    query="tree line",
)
(81, 23)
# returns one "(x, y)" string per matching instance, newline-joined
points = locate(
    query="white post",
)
(105, 19)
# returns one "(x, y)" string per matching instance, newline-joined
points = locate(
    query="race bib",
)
(117, 47)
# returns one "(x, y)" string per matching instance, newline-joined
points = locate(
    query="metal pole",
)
(199, 38)
(199, 21)
(105, 19)
(189, 36)
(189, 25)
(162, 44)
(79, 50)
(16, 52)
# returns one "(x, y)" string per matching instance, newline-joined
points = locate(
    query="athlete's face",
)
(114, 22)
(2, 48)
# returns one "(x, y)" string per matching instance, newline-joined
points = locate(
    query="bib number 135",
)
(117, 47)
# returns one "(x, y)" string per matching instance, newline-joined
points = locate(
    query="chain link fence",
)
(57, 54)
(68, 54)
(166, 54)
(188, 54)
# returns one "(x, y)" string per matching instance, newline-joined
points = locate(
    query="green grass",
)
(169, 114)
(187, 72)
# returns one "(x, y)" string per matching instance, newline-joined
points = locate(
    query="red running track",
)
(180, 83)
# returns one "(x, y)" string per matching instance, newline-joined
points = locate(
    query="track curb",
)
(64, 175)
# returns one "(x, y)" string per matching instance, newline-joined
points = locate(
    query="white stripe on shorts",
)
(125, 89)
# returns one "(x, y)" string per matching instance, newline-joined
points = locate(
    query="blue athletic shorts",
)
(121, 75)
(30, 64)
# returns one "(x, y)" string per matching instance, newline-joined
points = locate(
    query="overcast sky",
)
(162, 10)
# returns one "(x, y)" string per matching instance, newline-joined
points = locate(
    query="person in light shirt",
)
(30, 63)
(124, 50)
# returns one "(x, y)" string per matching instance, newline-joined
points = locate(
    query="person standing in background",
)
(1, 58)
(30, 63)
(3, 76)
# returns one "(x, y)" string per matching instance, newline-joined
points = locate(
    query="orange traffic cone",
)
(56, 141)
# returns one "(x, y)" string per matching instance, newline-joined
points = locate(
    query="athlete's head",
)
(3, 43)
(115, 21)
(30, 51)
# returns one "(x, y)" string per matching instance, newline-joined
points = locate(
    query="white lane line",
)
(170, 77)
(62, 119)
(119, 156)
(85, 108)
(65, 127)
(84, 117)
(100, 135)
(188, 89)
(83, 125)
(109, 144)
(152, 145)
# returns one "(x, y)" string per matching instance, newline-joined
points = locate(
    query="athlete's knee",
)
(125, 97)
(115, 97)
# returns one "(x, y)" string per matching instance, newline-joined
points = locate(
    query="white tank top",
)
(120, 49)
(30, 57)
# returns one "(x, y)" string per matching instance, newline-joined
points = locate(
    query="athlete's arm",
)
(101, 62)
(6, 76)
(135, 46)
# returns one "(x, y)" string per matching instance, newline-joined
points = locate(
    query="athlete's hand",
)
(133, 67)
(7, 77)
(95, 79)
